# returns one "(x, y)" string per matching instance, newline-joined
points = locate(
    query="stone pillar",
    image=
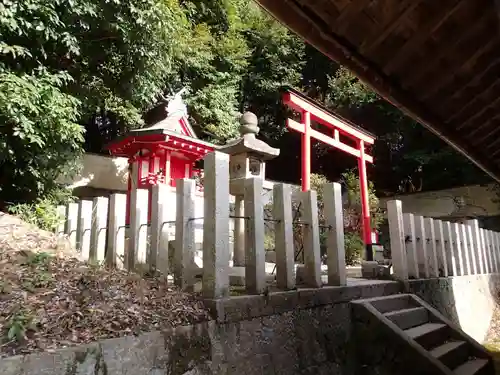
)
(282, 212)
(239, 232)
(397, 238)
(115, 251)
(98, 229)
(431, 248)
(441, 249)
(138, 230)
(71, 224)
(255, 274)
(332, 196)
(61, 227)
(422, 247)
(184, 235)
(216, 226)
(411, 246)
(475, 249)
(312, 257)
(159, 196)
(83, 229)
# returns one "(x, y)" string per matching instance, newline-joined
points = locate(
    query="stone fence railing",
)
(97, 229)
(427, 248)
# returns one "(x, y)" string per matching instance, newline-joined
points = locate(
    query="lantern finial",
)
(249, 124)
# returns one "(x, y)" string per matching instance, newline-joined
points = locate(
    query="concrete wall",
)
(468, 301)
(467, 201)
(296, 332)
(308, 331)
(101, 172)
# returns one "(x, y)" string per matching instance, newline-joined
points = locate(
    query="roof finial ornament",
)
(176, 105)
(249, 124)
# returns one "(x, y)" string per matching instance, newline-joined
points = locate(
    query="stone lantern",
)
(247, 159)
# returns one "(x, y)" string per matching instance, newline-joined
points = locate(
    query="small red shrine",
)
(161, 153)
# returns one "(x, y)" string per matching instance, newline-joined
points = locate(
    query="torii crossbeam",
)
(337, 127)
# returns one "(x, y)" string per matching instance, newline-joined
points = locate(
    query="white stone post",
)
(61, 213)
(441, 247)
(335, 246)
(216, 226)
(449, 244)
(239, 232)
(475, 246)
(411, 245)
(138, 230)
(485, 240)
(432, 251)
(283, 229)
(493, 257)
(83, 228)
(464, 236)
(490, 250)
(496, 257)
(482, 253)
(312, 255)
(397, 239)
(422, 246)
(159, 196)
(184, 234)
(458, 249)
(115, 251)
(98, 229)
(255, 261)
(71, 223)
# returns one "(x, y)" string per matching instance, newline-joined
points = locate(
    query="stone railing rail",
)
(428, 248)
(97, 229)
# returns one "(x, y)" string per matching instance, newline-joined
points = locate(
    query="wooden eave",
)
(438, 61)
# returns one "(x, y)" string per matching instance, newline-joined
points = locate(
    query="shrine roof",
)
(173, 132)
(177, 123)
(158, 138)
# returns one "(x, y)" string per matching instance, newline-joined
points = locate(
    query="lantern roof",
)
(248, 143)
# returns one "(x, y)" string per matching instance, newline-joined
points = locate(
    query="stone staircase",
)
(430, 340)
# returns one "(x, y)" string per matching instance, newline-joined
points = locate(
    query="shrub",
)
(43, 212)
(352, 213)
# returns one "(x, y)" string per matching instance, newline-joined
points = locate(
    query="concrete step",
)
(393, 303)
(452, 353)
(408, 318)
(429, 335)
(473, 367)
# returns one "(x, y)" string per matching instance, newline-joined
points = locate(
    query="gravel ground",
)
(50, 299)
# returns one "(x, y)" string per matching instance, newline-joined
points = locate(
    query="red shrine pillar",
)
(306, 152)
(365, 201)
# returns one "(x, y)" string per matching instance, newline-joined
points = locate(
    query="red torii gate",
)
(339, 127)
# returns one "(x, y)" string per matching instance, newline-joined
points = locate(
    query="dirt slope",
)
(50, 299)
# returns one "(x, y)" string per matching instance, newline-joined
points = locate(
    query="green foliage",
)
(39, 136)
(269, 243)
(18, 324)
(352, 212)
(354, 247)
(38, 259)
(71, 62)
(43, 211)
(346, 90)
